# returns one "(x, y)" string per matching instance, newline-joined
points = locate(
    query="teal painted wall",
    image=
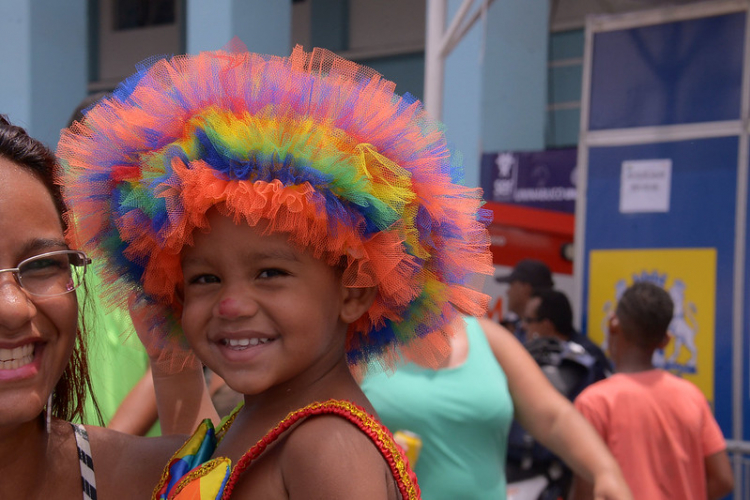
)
(15, 31)
(59, 59)
(565, 79)
(44, 63)
(514, 95)
(462, 103)
(202, 18)
(264, 26)
(406, 71)
(329, 24)
(496, 83)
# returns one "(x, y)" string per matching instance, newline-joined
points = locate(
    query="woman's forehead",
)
(29, 220)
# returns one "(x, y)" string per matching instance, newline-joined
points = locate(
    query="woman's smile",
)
(20, 363)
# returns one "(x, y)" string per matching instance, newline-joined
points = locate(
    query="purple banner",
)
(536, 179)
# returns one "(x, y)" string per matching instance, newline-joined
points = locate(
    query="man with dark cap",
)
(527, 277)
(549, 315)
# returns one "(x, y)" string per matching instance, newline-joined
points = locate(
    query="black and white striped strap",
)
(88, 481)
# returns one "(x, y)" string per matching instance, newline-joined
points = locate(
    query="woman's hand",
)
(610, 485)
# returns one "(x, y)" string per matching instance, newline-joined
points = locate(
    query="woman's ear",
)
(356, 302)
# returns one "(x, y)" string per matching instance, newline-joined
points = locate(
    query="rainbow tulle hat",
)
(315, 146)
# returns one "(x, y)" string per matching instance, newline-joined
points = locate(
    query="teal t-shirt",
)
(462, 415)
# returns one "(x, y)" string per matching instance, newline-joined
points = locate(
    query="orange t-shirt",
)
(659, 427)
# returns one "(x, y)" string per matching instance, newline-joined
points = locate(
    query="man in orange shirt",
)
(659, 427)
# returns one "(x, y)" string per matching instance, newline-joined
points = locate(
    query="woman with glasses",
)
(43, 366)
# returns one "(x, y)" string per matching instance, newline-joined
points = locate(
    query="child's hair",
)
(315, 146)
(644, 312)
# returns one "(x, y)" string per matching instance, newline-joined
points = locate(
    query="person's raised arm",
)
(719, 477)
(552, 419)
(137, 413)
(182, 397)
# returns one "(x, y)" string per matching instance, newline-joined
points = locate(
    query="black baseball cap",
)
(534, 272)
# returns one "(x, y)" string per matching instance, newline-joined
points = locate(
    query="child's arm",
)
(719, 477)
(552, 419)
(328, 458)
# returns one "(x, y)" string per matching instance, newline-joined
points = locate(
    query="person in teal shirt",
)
(462, 413)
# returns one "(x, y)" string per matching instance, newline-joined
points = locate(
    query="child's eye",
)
(271, 273)
(203, 279)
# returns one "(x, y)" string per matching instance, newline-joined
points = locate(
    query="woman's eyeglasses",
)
(51, 273)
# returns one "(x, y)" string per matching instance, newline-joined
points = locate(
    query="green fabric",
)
(463, 416)
(117, 359)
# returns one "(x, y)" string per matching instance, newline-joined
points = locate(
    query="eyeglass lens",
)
(52, 274)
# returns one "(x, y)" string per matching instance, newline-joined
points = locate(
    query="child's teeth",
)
(246, 342)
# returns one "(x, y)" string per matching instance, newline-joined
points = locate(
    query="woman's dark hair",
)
(30, 154)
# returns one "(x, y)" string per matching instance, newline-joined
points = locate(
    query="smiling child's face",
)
(258, 311)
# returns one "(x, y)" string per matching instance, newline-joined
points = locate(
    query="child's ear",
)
(356, 302)
(614, 324)
(665, 341)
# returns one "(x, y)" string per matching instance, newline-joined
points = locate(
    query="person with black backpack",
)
(571, 362)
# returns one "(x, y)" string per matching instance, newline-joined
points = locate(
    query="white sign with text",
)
(645, 186)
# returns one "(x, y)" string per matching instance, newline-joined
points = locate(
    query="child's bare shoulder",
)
(330, 457)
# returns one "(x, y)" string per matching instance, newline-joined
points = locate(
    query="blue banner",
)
(536, 179)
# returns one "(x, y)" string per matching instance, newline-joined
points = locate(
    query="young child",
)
(659, 427)
(299, 221)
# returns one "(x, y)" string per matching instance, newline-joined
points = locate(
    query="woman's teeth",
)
(10, 359)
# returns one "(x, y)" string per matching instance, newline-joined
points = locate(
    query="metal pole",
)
(434, 70)
(456, 33)
(740, 250)
(450, 33)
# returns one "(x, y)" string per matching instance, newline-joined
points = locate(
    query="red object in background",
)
(495, 311)
(519, 232)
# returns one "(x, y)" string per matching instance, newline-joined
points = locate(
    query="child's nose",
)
(232, 308)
